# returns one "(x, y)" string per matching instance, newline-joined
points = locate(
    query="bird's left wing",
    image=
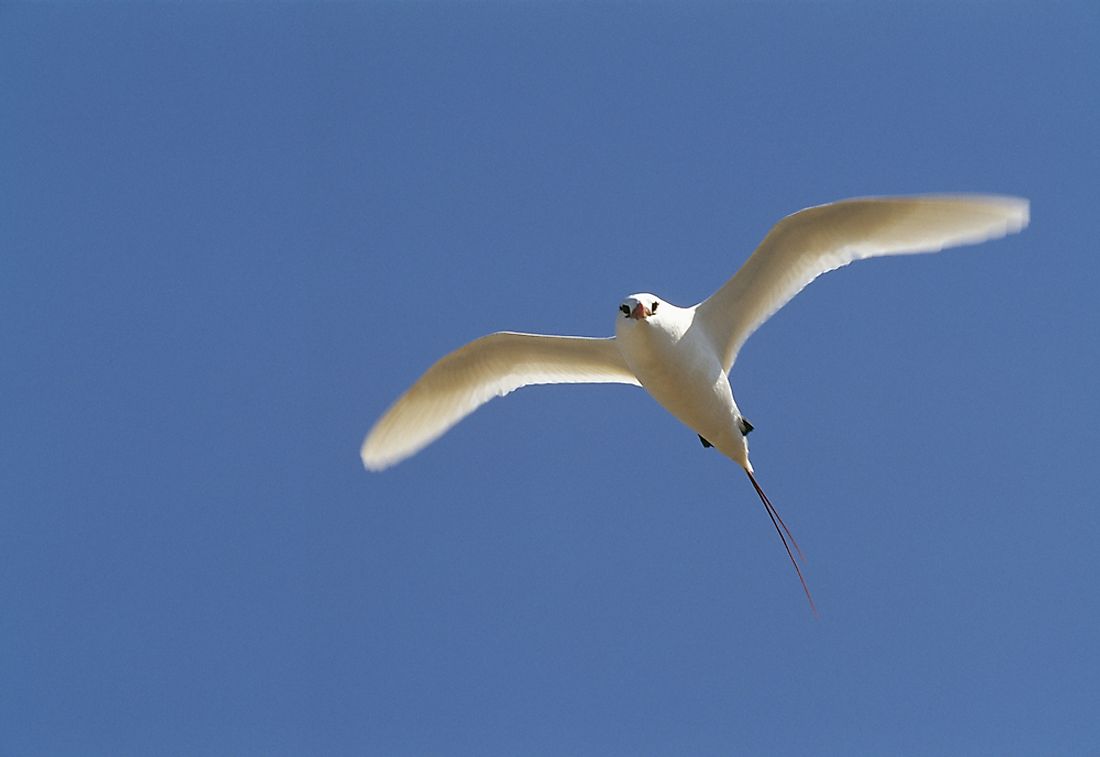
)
(808, 243)
(491, 366)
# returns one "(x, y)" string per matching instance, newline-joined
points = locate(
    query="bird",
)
(682, 356)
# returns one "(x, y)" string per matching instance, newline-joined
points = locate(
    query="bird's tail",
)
(781, 529)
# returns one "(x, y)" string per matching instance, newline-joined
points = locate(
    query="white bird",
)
(682, 356)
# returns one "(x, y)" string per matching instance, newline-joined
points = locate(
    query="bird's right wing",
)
(491, 366)
(808, 243)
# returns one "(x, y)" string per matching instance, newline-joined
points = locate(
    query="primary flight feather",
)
(682, 356)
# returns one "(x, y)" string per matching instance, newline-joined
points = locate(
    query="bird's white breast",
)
(679, 366)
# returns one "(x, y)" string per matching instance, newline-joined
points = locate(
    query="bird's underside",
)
(746, 427)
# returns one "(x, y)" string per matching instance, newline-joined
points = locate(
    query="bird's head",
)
(639, 307)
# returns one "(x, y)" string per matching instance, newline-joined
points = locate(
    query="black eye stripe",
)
(625, 308)
(654, 308)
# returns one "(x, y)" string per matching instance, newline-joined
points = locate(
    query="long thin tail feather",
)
(777, 521)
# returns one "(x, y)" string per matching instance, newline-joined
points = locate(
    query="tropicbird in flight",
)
(682, 356)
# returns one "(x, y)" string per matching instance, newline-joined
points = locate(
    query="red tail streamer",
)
(777, 521)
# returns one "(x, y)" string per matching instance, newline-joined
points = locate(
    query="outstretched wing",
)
(491, 366)
(808, 243)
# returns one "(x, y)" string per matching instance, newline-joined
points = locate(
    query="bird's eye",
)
(654, 308)
(625, 309)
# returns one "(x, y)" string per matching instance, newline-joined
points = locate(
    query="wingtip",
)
(1024, 217)
(1017, 210)
(1018, 216)
(372, 461)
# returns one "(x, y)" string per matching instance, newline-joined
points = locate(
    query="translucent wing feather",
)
(808, 243)
(491, 366)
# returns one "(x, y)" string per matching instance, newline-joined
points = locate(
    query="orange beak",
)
(640, 312)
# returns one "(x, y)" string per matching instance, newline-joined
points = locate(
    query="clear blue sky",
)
(232, 234)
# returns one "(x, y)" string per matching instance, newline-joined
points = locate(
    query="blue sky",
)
(232, 234)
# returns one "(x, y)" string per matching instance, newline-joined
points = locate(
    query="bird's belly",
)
(701, 405)
(696, 391)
